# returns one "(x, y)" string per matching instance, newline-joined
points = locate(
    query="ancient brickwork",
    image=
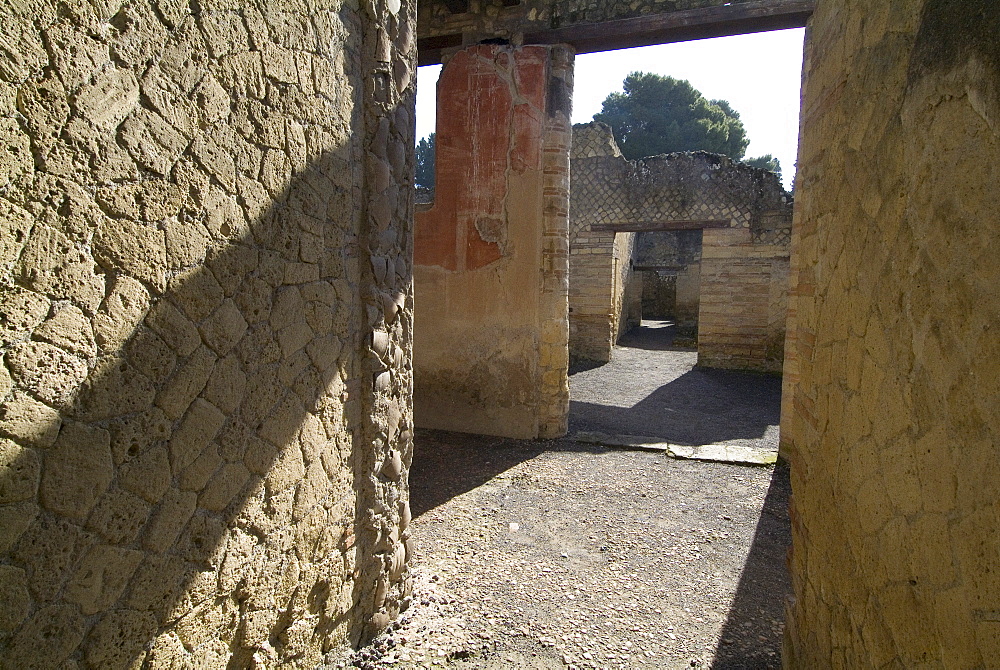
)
(204, 324)
(740, 289)
(892, 417)
(490, 253)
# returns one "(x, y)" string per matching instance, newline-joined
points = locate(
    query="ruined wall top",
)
(593, 139)
(680, 186)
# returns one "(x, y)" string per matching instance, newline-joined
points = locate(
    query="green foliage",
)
(425, 162)
(767, 162)
(657, 114)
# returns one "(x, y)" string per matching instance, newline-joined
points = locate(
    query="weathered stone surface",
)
(28, 421)
(224, 328)
(134, 434)
(890, 393)
(114, 388)
(70, 329)
(20, 470)
(227, 384)
(47, 372)
(122, 310)
(14, 520)
(118, 516)
(14, 596)
(52, 264)
(20, 312)
(189, 380)
(77, 470)
(103, 574)
(175, 329)
(165, 169)
(47, 639)
(173, 514)
(106, 100)
(49, 549)
(136, 248)
(198, 427)
(118, 638)
(148, 475)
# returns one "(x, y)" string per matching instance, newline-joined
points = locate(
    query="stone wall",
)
(744, 218)
(892, 398)
(491, 252)
(205, 319)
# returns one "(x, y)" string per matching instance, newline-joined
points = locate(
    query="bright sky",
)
(758, 74)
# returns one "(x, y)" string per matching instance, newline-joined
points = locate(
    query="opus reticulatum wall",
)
(205, 329)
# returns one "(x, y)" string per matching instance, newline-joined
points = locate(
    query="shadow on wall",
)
(702, 406)
(214, 463)
(194, 428)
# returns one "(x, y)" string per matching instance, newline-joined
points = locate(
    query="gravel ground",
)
(553, 554)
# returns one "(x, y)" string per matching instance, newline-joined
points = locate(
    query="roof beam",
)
(679, 26)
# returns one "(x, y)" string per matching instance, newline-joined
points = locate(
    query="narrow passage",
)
(554, 554)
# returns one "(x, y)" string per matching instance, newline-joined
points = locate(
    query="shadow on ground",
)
(446, 464)
(764, 583)
(699, 407)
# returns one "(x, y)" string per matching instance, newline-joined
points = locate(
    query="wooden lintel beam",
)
(653, 226)
(679, 26)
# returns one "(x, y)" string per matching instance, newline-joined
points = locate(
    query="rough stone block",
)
(150, 355)
(49, 548)
(114, 388)
(169, 520)
(189, 381)
(107, 99)
(118, 516)
(47, 372)
(196, 476)
(122, 310)
(254, 300)
(102, 577)
(232, 265)
(228, 481)
(118, 639)
(224, 328)
(135, 434)
(15, 518)
(20, 471)
(199, 427)
(136, 248)
(14, 596)
(20, 312)
(227, 385)
(147, 475)
(187, 243)
(157, 584)
(77, 470)
(152, 142)
(47, 639)
(175, 329)
(69, 328)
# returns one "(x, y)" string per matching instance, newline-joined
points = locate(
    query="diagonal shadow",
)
(701, 406)
(447, 464)
(752, 634)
